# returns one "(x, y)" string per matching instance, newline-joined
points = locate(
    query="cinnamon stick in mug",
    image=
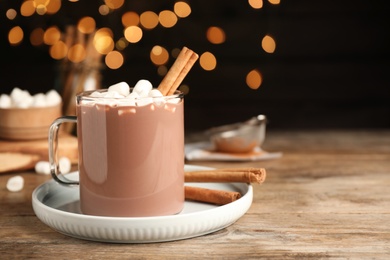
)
(180, 68)
(183, 73)
(217, 197)
(247, 175)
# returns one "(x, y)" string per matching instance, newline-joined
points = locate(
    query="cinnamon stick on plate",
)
(179, 70)
(221, 197)
(248, 175)
(217, 197)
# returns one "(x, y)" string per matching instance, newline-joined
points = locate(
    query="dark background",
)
(329, 70)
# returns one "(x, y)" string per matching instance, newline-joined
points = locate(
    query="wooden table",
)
(327, 197)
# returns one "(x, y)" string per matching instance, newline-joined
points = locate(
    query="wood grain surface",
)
(327, 197)
(37, 150)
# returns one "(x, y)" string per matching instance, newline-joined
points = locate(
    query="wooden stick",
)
(178, 71)
(248, 175)
(218, 197)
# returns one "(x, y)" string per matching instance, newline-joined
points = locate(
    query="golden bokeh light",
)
(254, 79)
(41, 2)
(15, 35)
(77, 53)
(121, 44)
(41, 9)
(27, 8)
(86, 25)
(36, 37)
(58, 51)
(129, 19)
(215, 35)
(208, 61)
(182, 9)
(41, 6)
(175, 52)
(114, 4)
(105, 31)
(135, 25)
(149, 20)
(268, 44)
(162, 70)
(274, 2)
(185, 89)
(159, 55)
(51, 35)
(11, 14)
(133, 34)
(114, 60)
(53, 6)
(104, 10)
(256, 4)
(103, 40)
(104, 44)
(167, 18)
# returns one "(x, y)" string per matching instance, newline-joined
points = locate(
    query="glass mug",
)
(131, 158)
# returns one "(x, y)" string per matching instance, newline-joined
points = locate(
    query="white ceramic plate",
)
(58, 207)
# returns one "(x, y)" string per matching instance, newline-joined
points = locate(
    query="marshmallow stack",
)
(23, 99)
(141, 94)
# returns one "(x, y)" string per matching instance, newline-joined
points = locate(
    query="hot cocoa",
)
(131, 158)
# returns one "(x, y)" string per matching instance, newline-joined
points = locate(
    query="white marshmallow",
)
(5, 101)
(133, 95)
(26, 102)
(39, 100)
(16, 94)
(174, 100)
(65, 164)
(42, 167)
(144, 101)
(121, 87)
(143, 87)
(21, 98)
(155, 93)
(131, 102)
(15, 183)
(112, 94)
(131, 99)
(158, 97)
(96, 94)
(53, 98)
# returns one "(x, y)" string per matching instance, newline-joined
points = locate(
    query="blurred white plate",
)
(58, 207)
(204, 151)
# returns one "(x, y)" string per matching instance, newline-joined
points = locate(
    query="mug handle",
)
(53, 155)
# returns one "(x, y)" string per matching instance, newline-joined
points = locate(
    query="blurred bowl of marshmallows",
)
(243, 137)
(28, 117)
